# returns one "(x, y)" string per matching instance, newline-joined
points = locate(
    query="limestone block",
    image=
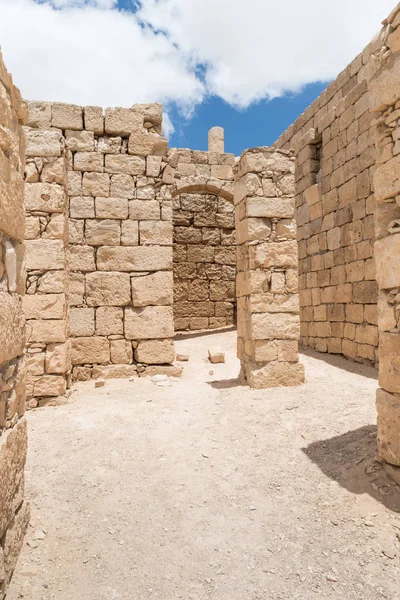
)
(45, 197)
(39, 114)
(155, 232)
(46, 332)
(76, 231)
(139, 258)
(147, 144)
(384, 87)
(122, 186)
(273, 254)
(153, 166)
(387, 179)
(44, 306)
(12, 327)
(216, 140)
(154, 289)
(108, 289)
(169, 370)
(76, 289)
(224, 172)
(81, 258)
(389, 361)
(80, 141)
(56, 228)
(74, 183)
(43, 143)
(12, 195)
(387, 259)
(200, 254)
(66, 116)
(129, 233)
(35, 363)
(225, 255)
(50, 385)
(58, 358)
(111, 208)
(109, 320)
(388, 407)
(284, 326)
(256, 229)
(14, 537)
(52, 282)
(92, 162)
(13, 446)
(94, 120)
(258, 206)
(275, 374)
(96, 184)
(151, 322)
(121, 352)
(122, 121)
(141, 210)
(81, 322)
(114, 372)
(249, 184)
(45, 254)
(145, 192)
(122, 163)
(386, 314)
(90, 350)
(110, 145)
(155, 352)
(102, 233)
(32, 228)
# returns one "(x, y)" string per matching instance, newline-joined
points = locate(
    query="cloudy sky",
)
(251, 66)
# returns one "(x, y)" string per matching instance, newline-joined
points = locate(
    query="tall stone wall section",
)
(119, 259)
(14, 511)
(204, 244)
(385, 102)
(334, 144)
(46, 300)
(267, 279)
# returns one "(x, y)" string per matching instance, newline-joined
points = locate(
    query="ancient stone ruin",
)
(126, 241)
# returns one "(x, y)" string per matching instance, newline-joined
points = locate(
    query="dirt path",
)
(206, 490)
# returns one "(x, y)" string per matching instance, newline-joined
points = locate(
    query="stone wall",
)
(204, 244)
(334, 145)
(267, 280)
(385, 101)
(119, 249)
(14, 511)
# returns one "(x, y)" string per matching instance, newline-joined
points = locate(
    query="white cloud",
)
(88, 52)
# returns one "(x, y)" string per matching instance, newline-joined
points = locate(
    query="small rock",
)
(331, 578)
(216, 356)
(204, 455)
(99, 384)
(389, 553)
(158, 378)
(252, 507)
(182, 357)
(39, 535)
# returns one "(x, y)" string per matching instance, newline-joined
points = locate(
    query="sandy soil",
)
(203, 489)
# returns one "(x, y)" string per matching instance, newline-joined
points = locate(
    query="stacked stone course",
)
(385, 101)
(14, 511)
(335, 160)
(267, 280)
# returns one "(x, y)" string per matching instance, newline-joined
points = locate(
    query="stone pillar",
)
(216, 140)
(46, 300)
(267, 280)
(385, 102)
(14, 511)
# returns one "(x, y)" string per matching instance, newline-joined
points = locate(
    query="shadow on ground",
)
(340, 361)
(186, 335)
(224, 384)
(350, 459)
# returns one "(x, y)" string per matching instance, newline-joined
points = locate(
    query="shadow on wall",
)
(350, 459)
(340, 361)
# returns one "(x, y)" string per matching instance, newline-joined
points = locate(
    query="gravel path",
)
(203, 489)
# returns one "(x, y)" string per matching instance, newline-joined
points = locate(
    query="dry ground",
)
(207, 490)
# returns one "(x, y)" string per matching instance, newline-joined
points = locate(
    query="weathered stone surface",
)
(282, 326)
(44, 306)
(45, 254)
(108, 289)
(43, 143)
(275, 374)
(273, 254)
(151, 322)
(387, 259)
(90, 350)
(13, 446)
(12, 327)
(111, 208)
(270, 207)
(151, 232)
(81, 258)
(146, 144)
(81, 322)
(45, 197)
(155, 352)
(137, 258)
(114, 371)
(154, 289)
(109, 320)
(102, 232)
(387, 179)
(121, 352)
(66, 116)
(388, 407)
(50, 385)
(216, 356)
(122, 121)
(58, 358)
(389, 361)
(14, 539)
(51, 331)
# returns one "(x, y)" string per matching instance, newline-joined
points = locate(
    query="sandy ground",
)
(207, 490)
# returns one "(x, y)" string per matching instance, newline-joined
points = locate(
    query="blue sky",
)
(251, 67)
